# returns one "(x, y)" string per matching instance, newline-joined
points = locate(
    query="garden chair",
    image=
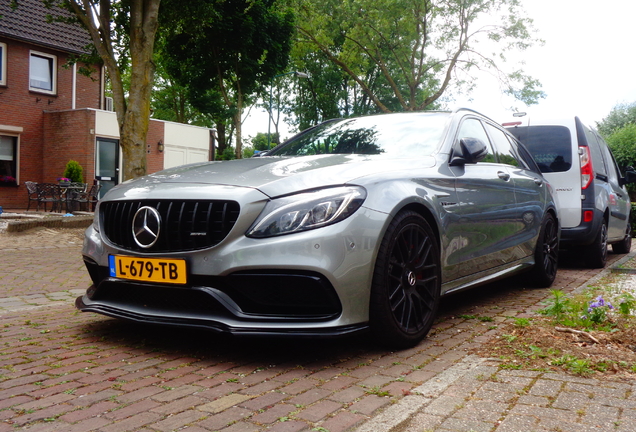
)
(32, 191)
(89, 197)
(71, 193)
(49, 193)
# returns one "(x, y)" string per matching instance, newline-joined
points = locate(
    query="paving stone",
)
(224, 419)
(116, 374)
(223, 403)
(318, 411)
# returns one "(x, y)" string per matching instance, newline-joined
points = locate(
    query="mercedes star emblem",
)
(146, 226)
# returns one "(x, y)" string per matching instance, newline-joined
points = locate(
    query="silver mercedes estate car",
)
(353, 225)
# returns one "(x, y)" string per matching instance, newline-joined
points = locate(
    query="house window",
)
(42, 72)
(8, 160)
(3, 64)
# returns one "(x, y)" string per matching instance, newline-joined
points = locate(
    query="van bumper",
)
(581, 235)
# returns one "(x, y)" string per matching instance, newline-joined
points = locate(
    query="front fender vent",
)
(185, 224)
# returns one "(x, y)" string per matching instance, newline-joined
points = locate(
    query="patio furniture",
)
(70, 194)
(89, 197)
(49, 193)
(32, 191)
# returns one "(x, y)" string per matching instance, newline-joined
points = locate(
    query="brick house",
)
(50, 113)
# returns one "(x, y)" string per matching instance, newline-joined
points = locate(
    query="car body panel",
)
(487, 217)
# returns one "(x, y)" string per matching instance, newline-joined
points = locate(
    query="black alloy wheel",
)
(625, 245)
(406, 282)
(596, 253)
(546, 253)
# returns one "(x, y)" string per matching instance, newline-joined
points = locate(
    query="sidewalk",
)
(61, 370)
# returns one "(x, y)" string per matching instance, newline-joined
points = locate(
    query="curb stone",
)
(403, 416)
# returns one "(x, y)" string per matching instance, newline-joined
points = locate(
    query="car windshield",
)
(395, 135)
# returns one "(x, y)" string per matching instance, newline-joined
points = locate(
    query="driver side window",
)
(472, 128)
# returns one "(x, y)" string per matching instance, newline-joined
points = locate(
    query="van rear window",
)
(550, 146)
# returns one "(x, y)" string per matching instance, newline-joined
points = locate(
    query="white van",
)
(592, 200)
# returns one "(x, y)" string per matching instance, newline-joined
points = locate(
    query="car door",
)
(482, 217)
(530, 192)
(618, 200)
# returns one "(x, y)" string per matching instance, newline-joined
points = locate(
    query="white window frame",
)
(16, 156)
(3, 64)
(53, 71)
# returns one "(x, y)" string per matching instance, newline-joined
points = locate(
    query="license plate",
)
(161, 270)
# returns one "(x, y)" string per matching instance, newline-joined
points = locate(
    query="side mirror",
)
(468, 151)
(630, 176)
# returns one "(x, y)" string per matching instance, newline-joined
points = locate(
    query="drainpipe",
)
(74, 86)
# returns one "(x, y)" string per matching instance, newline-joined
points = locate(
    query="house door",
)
(107, 164)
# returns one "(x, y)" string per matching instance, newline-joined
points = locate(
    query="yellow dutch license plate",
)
(173, 271)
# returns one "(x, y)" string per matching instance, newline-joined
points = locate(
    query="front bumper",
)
(211, 316)
(313, 283)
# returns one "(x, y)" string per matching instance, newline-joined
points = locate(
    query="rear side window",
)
(595, 150)
(550, 146)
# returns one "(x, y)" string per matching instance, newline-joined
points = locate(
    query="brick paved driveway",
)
(61, 370)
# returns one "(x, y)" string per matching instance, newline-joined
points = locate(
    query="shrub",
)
(74, 172)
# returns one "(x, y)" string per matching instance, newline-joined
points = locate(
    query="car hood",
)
(276, 176)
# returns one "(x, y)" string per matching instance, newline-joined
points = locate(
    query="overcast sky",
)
(586, 66)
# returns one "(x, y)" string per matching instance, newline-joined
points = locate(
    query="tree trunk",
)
(133, 115)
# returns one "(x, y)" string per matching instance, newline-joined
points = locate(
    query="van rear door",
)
(552, 149)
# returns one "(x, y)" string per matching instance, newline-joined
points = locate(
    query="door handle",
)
(503, 175)
(538, 181)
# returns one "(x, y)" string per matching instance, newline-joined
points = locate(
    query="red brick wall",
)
(154, 158)
(67, 136)
(20, 107)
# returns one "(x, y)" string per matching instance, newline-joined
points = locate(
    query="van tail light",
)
(588, 216)
(586, 167)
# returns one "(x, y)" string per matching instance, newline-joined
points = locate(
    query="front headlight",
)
(307, 210)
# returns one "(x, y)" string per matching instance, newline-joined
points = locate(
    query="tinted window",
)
(503, 148)
(595, 150)
(550, 146)
(612, 168)
(8, 155)
(395, 135)
(472, 128)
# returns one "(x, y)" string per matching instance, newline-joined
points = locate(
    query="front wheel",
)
(546, 255)
(406, 282)
(596, 253)
(625, 245)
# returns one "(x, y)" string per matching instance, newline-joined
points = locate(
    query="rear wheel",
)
(625, 245)
(596, 253)
(406, 282)
(546, 255)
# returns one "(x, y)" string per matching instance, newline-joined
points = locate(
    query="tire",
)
(596, 253)
(625, 245)
(546, 254)
(406, 282)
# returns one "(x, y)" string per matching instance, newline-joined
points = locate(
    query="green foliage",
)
(74, 172)
(626, 303)
(224, 53)
(369, 56)
(260, 142)
(622, 142)
(522, 322)
(587, 312)
(226, 154)
(558, 306)
(620, 116)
